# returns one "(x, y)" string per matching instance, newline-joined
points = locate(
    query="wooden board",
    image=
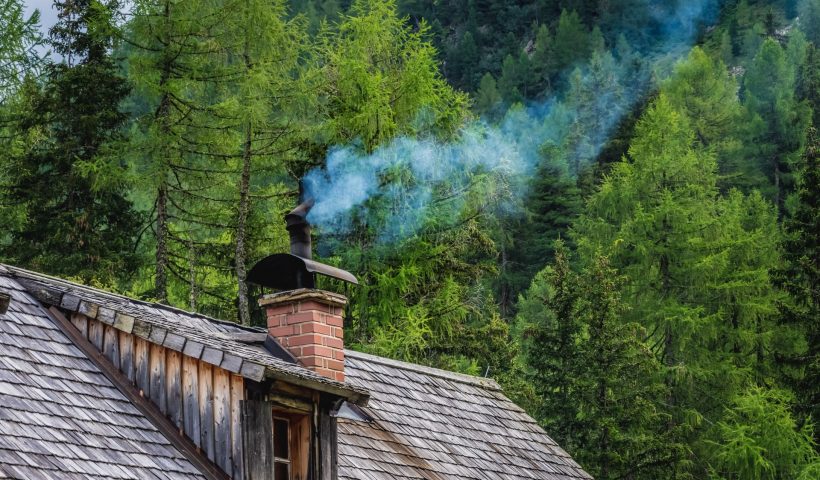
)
(81, 322)
(173, 387)
(127, 356)
(95, 334)
(157, 388)
(206, 409)
(142, 369)
(223, 447)
(257, 436)
(111, 345)
(190, 398)
(237, 396)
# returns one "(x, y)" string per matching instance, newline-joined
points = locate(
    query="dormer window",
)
(276, 441)
(281, 448)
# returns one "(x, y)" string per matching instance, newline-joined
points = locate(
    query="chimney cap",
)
(285, 271)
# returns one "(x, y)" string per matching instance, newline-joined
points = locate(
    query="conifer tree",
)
(551, 330)
(778, 119)
(269, 97)
(597, 383)
(510, 81)
(801, 279)
(809, 14)
(698, 266)
(179, 146)
(543, 62)
(488, 100)
(19, 38)
(571, 42)
(78, 222)
(703, 90)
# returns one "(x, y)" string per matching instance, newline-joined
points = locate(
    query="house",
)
(97, 385)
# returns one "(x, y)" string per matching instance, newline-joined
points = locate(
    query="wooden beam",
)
(151, 412)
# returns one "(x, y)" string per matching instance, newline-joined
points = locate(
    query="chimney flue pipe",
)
(299, 230)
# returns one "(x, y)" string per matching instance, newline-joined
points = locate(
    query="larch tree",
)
(179, 143)
(269, 98)
(698, 266)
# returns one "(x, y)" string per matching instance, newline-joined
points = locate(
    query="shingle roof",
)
(62, 414)
(433, 424)
(60, 417)
(223, 344)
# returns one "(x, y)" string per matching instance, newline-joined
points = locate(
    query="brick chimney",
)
(308, 323)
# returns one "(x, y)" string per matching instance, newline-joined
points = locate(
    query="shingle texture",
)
(60, 417)
(433, 424)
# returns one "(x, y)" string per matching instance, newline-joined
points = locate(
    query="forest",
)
(610, 207)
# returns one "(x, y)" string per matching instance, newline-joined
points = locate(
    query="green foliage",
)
(383, 80)
(778, 120)
(69, 179)
(809, 13)
(703, 90)
(759, 439)
(19, 38)
(597, 381)
(572, 42)
(488, 100)
(698, 278)
(800, 277)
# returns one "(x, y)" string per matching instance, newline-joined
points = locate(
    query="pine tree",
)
(597, 383)
(571, 42)
(801, 279)
(759, 438)
(778, 119)
(488, 100)
(809, 13)
(548, 321)
(271, 101)
(543, 62)
(78, 223)
(180, 149)
(510, 82)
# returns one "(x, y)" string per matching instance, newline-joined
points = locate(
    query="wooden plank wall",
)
(203, 401)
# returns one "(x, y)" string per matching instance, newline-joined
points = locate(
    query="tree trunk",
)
(161, 279)
(241, 229)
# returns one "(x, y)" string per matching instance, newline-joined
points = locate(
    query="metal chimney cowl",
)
(303, 320)
(297, 269)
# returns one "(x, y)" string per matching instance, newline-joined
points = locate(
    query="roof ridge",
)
(10, 269)
(482, 382)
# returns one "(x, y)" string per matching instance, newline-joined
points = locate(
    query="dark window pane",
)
(280, 471)
(280, 438)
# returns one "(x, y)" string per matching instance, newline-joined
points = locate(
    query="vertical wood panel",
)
(190, 394)
(237, 396)
(206, 410)
(223, 448)
(328, 446)
(111, 345)
(95, 333)
(141, 368)
(81, 322)
(173, 386)
(257, 436)
(157, 364)
(127, 356)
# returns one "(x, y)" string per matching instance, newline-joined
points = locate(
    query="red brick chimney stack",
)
(308, 323)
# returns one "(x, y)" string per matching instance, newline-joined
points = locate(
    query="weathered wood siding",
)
(202, 400)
